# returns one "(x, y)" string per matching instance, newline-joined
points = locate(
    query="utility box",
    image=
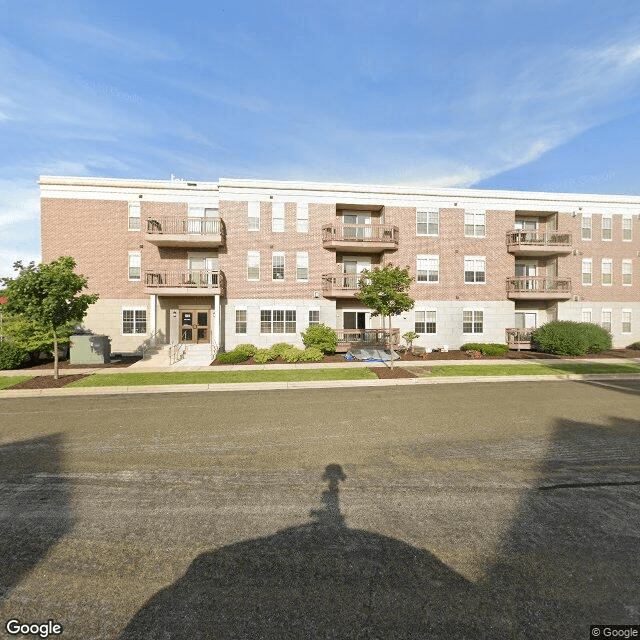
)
(90, 349)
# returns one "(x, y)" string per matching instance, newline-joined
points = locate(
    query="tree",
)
(384, 291)
(43, 305)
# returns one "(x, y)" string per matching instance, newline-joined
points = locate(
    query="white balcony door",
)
(526, 224)
(526, 319)
(526, 269)
(200, 267)
(352, 218)
(195, 222)
(352, 268)
(355, 319)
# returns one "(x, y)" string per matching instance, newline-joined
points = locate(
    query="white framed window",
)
(314, 316)
(427, 223)
(241, 319)
(475, 224)
(607, 271)
(253, 265)
(587, 271)
(627, 273)
(587, 315)
(277, 265)
(302, 266)
(627, 228)
(302, 217)
(626, 321)
(134, 216)
(606, 227)
(474, 269)
(427, 269)
(277, 217)
(425, 321)
(606, 319)
(585, 228)
(135, 263)
(472, 321)
(134, 321)
(277, 321)
(253, 221)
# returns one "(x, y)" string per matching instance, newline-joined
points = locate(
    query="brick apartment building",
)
(258, 261)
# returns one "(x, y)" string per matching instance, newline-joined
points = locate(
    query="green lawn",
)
(216, 377)
(528, 369)
(9, 381)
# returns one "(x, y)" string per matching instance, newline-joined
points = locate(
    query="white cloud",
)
(9, 256)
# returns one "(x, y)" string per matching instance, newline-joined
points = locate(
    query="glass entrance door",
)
(194, 326)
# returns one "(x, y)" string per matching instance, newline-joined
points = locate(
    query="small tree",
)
(410, 336)
(384, 291)
(43, 305)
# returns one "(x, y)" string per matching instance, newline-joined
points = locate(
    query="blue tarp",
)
(371, 355)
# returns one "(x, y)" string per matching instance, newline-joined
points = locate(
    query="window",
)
(277, 265)
(472, 321)
(606, 227)
(626, 321)
(135, 261)
(627, 270)
(427, 223)
(134, 216)
(607, 271)
(254, 216)
(134, 321)
(606, 319)
(277, 321)
(302, 218)
(425, 322)
(586, 226)
(277, 216)
(627, 228)
(314, 316)
(474, 224)
(428, 269)
(302, 266)
(586, 315)
(474, 269)
(587, 269)
(241, 320)
(253, 265)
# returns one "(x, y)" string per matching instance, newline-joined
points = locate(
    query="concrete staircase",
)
(196, 355)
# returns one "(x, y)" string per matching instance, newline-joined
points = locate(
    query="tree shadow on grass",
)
(35, 509)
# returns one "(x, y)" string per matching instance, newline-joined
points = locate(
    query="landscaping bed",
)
(123, 361)
(49, 382)
(387, 373)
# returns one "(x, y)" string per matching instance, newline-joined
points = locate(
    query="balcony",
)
(525, 244)
(360, 238)
(518, 338)
(199, 233)
(340, 285)
(538, 288)
(193, 282)
(367, 339)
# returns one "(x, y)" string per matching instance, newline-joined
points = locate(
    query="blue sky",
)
(503, 94)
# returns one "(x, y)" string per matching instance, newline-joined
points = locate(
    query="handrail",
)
(150, 342)
(185, 226)
(369, 337)
(549, 238)
(198, 278)
(176, 352)
(360, 233)
(538, 283)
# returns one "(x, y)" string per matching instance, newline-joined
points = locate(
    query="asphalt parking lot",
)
(496, 510)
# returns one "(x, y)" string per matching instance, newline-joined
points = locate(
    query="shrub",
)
(486, 348)
(564, 337)
(635, 345)
(264, 355)
(11, 357)
(249, 349)
(292, 354)
(279, 347)
(321, 337)
(311, 354)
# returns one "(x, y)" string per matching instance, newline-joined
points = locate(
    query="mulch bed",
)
(49, 382)
(124, 361)
(387, 373)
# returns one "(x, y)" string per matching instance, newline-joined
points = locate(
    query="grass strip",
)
(217, 377)
(9, 381)
(528, 369)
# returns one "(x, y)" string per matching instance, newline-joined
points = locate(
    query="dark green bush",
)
(564, 337)
(635, 345)
(11, 357)
(321, 337)
(264, 355)
(486, 348)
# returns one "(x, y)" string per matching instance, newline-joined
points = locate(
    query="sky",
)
(496, 94)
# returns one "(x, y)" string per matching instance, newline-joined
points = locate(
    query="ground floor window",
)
(134, 321)
(241, 321)
(626, 321)
(425, 322)
(472, 321)
(606, 319)
(314, 316)
(277, 321)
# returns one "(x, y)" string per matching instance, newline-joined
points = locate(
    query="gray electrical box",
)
(90, 349)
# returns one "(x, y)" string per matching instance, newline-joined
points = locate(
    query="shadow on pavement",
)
(630, 386)
(35, 506)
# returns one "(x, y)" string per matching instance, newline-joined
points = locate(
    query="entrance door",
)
(526, 320)
(194, 326)
(354, 320)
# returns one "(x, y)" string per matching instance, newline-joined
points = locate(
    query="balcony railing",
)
(190, 282)
(538, 287)
(536, 243)
(360, 237)
(340, 284)
(518, 338)
(188, 232)
(367, 338)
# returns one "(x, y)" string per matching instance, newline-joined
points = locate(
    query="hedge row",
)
(486, 348)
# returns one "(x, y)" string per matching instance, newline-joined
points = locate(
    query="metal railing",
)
(185, 226)
(538, 284)
(547, 239)
(368, 337)
(192, 278)
(151, 342)
(176, 352)
(340, 282)
(360, 233)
